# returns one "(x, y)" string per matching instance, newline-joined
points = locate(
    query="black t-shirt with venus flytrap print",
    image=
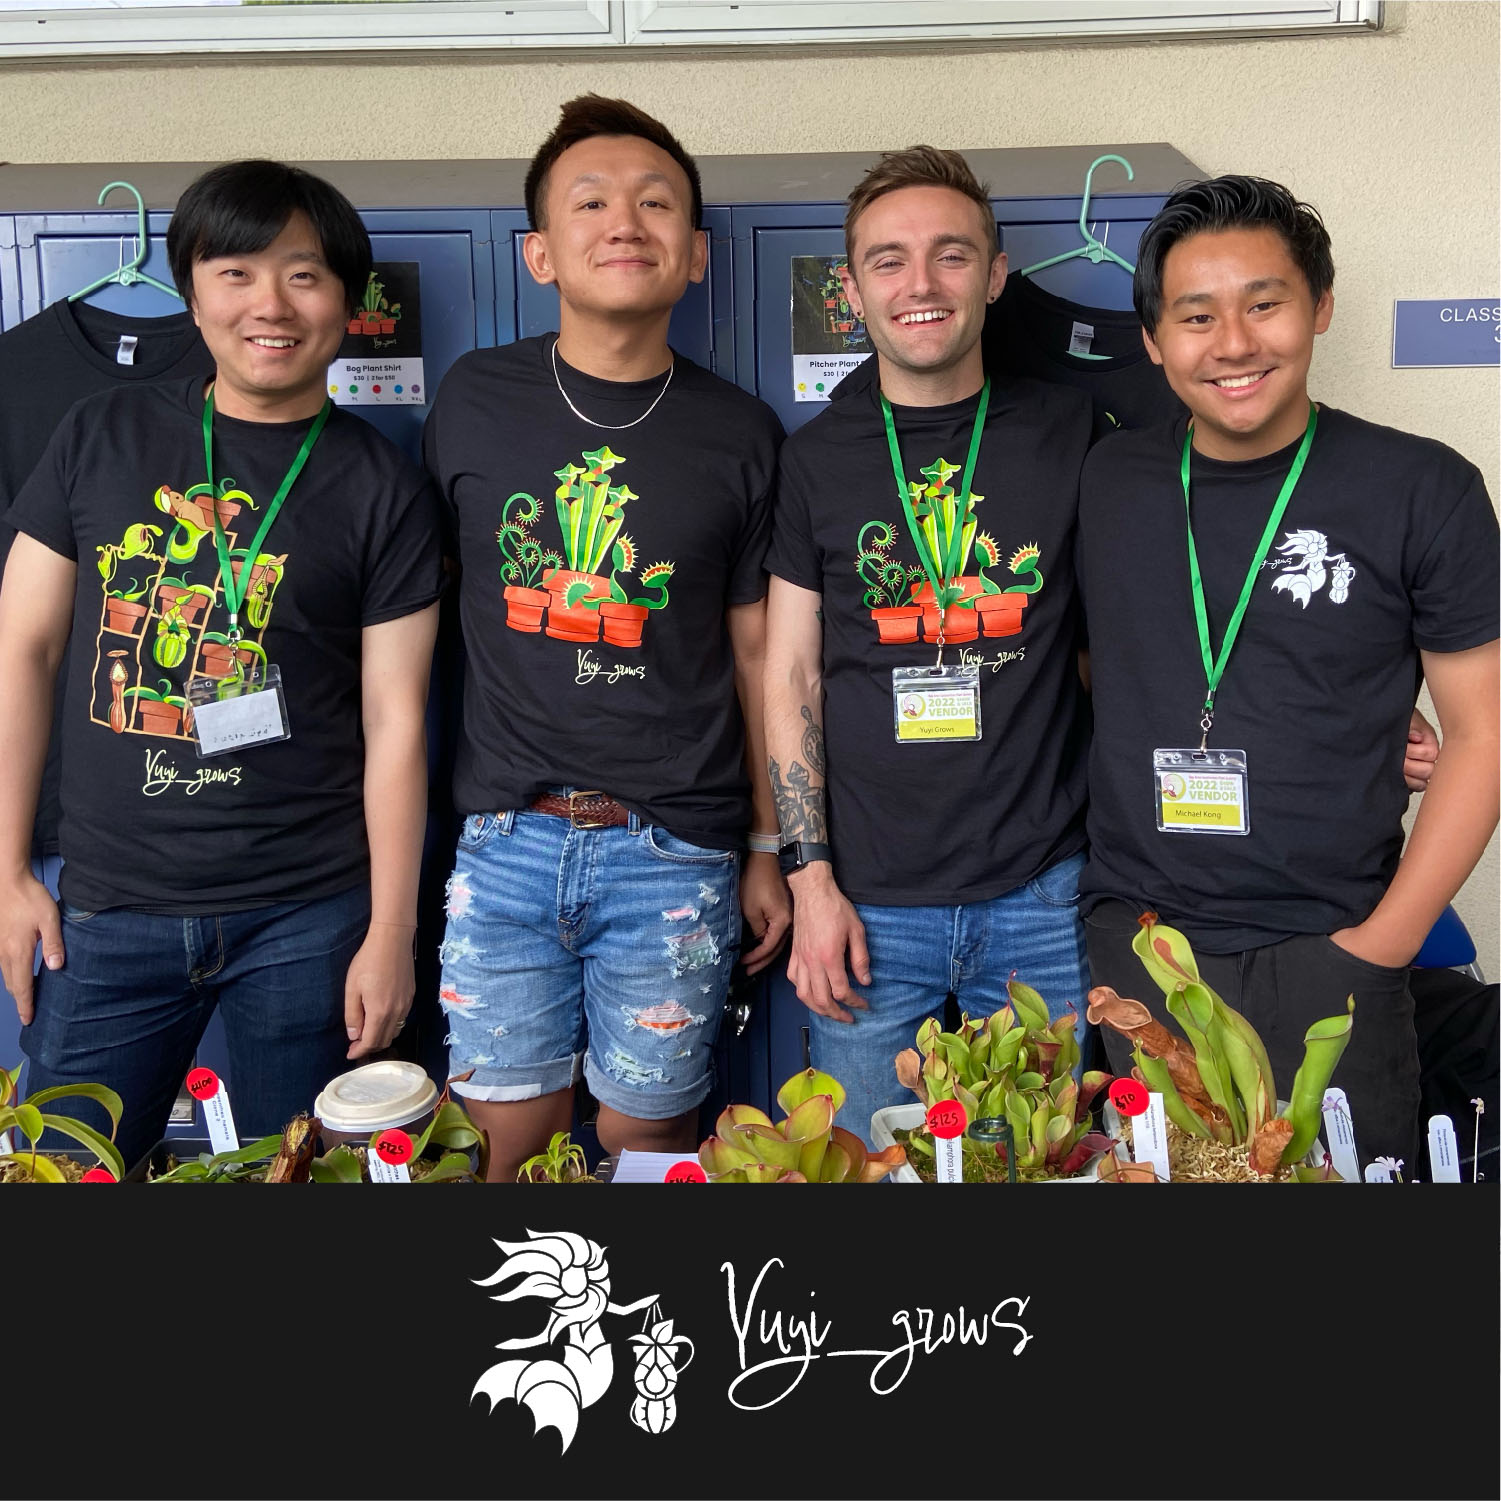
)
(121, 490)
(598, 563)
(958, 821)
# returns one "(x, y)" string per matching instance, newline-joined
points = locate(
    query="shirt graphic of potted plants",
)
(194, 520)
(159, 711)
(220, 657)
(591, 513)
(1000, 610)
(523, 563)
(123, 611)
(623, 618)
(374, 314)
(189, 600)
(889, 583)
(265, 575)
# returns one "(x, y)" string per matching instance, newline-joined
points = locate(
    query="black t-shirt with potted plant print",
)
(598, 563)
(121, 490)
(936, 823)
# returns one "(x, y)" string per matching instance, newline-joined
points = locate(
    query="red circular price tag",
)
(393, 1146)
(946, 1119)
(686, 1171)
(98, 1175)
(1129, 1097)
(203, 1083)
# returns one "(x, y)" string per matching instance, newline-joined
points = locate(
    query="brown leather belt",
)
(584, 810)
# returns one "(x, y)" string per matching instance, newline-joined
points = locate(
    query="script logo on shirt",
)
(162, 776)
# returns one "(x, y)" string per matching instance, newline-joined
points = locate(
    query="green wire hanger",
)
(128, 275)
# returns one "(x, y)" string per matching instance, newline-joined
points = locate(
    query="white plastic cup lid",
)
(375, 1096)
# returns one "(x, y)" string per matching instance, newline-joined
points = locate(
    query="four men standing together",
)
(936, 542)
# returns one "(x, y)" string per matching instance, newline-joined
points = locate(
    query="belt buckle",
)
(573, 816)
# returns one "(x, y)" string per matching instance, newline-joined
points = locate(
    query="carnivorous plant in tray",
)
(29, 1119)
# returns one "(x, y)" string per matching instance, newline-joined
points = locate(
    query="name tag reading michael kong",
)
(233, 715)
(1201, 791)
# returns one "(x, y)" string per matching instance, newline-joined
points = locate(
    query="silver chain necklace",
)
(611, 427)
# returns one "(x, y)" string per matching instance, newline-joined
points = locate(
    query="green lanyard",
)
(1214, 667)
(942, 571)
(234, 593)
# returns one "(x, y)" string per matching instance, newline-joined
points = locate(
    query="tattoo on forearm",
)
(813, 742)
(800, 806)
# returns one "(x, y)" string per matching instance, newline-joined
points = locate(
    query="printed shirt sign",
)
(380, 361)
(828, 337)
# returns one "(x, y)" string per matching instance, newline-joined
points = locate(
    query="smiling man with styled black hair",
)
(244, 579)
(1266, 582)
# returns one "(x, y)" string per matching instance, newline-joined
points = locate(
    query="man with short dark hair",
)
(612, 501)
(1266, 584)
(250, 580)
(925, 720)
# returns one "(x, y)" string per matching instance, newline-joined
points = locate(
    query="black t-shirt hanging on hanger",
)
(66, 352)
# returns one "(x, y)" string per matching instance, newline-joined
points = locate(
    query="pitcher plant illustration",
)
(117, 677)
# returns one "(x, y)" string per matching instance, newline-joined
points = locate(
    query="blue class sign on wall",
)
(1428, 331)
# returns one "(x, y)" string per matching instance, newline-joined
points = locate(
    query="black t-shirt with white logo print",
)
(66, 352)
(1388, 547)
(121, 490)
(598, 564)
(959, 821)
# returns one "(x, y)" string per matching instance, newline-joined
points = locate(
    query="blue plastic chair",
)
(1449, 946)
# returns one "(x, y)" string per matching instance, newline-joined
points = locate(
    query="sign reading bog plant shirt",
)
(380, 361)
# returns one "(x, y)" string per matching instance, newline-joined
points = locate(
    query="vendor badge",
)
(1201, 791)
(935, 703)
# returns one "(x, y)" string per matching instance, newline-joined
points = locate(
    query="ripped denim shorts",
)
(606, 951)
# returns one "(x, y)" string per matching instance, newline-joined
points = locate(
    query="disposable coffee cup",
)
(375, 1097)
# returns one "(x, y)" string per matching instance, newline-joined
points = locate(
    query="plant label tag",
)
(1201, 792)
(5, 1147)
(388, 1162)
(205, 1087)
(232, 714)
(1378, 1172)
(1443, 1151)
(947, 1120)
(1340, 1130)
(935, 704)
(686, 1171)
(1149, 1137)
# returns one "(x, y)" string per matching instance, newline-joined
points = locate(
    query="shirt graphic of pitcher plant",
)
(899, 595)
(1309, 564)
(162, 595)
(562, 591)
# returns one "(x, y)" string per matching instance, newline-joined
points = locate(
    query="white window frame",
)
(41, 29)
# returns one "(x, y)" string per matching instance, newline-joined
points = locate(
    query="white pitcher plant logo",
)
(573, 1275)
(1309, 564)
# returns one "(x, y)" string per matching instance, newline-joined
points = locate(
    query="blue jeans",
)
(136, 991)
(625, 937)
(921, 955)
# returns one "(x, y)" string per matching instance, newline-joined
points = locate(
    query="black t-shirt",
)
(597, 569)
(146, 823)
(932, 824)
(69, 351)
(1387, 548)
(1028, 332)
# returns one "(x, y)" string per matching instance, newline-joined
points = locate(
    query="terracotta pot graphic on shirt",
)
(1000, 614)
(524, 607)
(898, 624)
(960, 622)
(189, 603)
(575, 622)
(123, 615)
(216, 658)
(197, 513)
(622, 623)
(158, 718)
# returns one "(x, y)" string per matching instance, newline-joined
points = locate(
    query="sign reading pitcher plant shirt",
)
(1446, 331)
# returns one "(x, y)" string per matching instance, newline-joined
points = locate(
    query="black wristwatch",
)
(792, 857)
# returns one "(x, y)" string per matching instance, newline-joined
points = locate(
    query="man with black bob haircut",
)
(927, 753)
(1266, 583)
(250, 578)
(612, 501)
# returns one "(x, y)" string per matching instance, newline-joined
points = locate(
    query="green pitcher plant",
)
(261, 585)
(29, 1119)
(1216, 1080)
(162, 695)
(940, 515)
(591, 511)
(805, 1147)
(135, 543)
(1016, 1065)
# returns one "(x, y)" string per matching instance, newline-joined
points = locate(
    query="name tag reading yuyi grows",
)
(935, 703)
(1201, 791)
(231, 714)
